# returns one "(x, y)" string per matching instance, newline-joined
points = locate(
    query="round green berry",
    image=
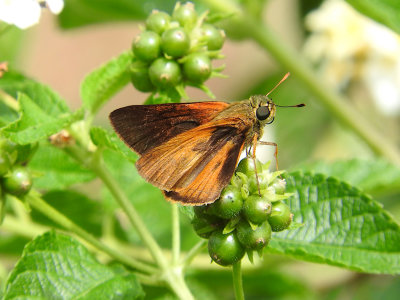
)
(158, 21)
(253, 239)
(18, 182)
(279, 186)
(202, 211)
(165, 73)
(175, 42)
(256, 209)
(214, 37)
(229, 204)
(197, 67)
(225, 249)
(205, 226)
(246, 166)
(140, 77)
(147, 46)
(280, 217)
(185, 14)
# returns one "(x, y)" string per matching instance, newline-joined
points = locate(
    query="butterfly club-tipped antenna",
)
(279, 83)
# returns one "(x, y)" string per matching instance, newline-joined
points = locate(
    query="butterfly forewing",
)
(143, 127)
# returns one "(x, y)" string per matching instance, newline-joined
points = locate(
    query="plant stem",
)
(193, 252)
(237, 280)
(39, 204)
(23, 228)
(8, 100)
(291, 60)
(176, 238)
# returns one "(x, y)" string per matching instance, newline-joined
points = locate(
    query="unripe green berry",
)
(197, 67)
(175, 42)
(185, 14)
(165, 73)
(229, 204)
(214, 37)
(147, 46)
(279, 186)
(225, 249)
(205, 226)
(253, 239)
(18, 182)
(256, 209)
(246, 166)
(158, 21)
(280, 217)
(140, 77)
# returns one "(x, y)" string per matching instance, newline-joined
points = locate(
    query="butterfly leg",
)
(255, 163)
(276, 151)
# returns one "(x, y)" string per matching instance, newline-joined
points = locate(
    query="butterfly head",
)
(264, 109)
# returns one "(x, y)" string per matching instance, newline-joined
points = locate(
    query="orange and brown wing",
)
(194, 166)
(143, 127)
(208, 184)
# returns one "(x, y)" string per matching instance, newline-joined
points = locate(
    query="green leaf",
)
(55, 266)
(342, 227)
(37, 122)
(43, 96)
(84, 12)
(101, 84)
(370, 175)
(386, 12)
(56, 169)
(102, 138)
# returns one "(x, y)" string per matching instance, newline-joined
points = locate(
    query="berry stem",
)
(193, 252)
(237, 280)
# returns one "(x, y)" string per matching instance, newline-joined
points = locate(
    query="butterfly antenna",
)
(297, 105)
(282, 80)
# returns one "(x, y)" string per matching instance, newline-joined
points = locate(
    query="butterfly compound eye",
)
(262, 113)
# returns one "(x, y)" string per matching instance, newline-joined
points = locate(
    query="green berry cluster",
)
(14, 178)
(175, 50)
(244, 217)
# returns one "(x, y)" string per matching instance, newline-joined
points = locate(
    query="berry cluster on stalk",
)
(15, 178)
(174, 51)
(244, 217)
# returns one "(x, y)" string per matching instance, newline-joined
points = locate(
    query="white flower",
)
(349, 46)
(55, 6)
(26, 13)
